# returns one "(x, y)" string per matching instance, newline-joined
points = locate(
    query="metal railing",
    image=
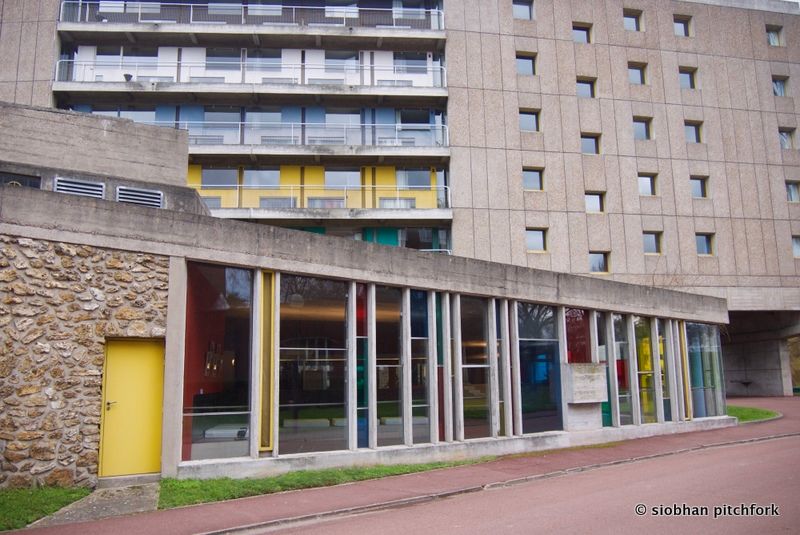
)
(248, 72)
(326, 197)
(310, 134)
(125, 12)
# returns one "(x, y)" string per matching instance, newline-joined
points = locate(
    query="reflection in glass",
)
(419, 367)
(602, 357)
(539, 369)
(313, 352)
(705, 370)
(389, 372)
(362, 381)
(623, 356)
(578, 336)
(662, 353)
(475, 366)
(216, 396)
(646, 375)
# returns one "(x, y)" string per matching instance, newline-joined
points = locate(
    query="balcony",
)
(234, 18)
(399, 81)
(315, 202)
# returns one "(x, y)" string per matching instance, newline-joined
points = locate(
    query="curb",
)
(404, 502)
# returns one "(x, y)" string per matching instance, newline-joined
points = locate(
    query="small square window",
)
(590, 144)
(641, 128)
(526, 64)
(786, 138)
(774, 35)
(584, 88)
(632, 20)
(779, 86)
(536, 239)
(594, 202)
(581, 33)
(692, 131)
(704, 243)
(532, 179)
(699, 185)
(796, 246)
(652, 242)
(598, 262)
(523, 9)
(647, 184)
(681, 24)
(529, 120)
(793, 191)
(686, 77)
(636, 73)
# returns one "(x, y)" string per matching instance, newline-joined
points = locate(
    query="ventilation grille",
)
(83, 188)
(143, 197)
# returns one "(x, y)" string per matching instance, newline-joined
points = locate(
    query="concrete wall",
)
(747, 208)
(80, 142)
(29, 49)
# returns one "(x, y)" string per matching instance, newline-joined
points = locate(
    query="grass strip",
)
(20, 507)
(750, 414)
(180, 492)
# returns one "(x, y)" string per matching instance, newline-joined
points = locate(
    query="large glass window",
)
(362, 365)
(622, 354)
(578, 349)
(216, 394)
(313, 351)
(665, 364)
(419, 367)
(475, 366)
(602, 358)
(705, 369)
(227, 178)
(223, 59)
(411, 178)
(389, 372)
(540, 384)
(646, 371)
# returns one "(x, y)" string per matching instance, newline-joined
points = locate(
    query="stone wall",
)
(58, 304)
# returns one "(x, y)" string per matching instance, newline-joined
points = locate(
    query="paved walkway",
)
(276, 509)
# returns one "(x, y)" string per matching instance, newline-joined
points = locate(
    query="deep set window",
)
(532, 179)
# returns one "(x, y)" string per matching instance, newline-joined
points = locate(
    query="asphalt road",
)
(605, 500)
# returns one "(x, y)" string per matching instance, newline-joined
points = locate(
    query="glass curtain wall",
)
(540, 382)
(578, 338)
(646, 372)
(475, 366)
(419, 367)
(389, 371)
(705, 368)
(216, 395)
(313, 365)
(623, 358)
(662, 355)
(602, 357)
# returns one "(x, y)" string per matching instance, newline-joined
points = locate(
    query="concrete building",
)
(641, 141)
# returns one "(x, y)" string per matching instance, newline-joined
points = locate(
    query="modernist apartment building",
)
(640, 141)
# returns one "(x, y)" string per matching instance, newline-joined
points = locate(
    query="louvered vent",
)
(84, 188)
(143, 197)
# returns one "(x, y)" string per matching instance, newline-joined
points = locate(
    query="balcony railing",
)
(249, 73)
(324, 197)
(123, 12)
(311, 134)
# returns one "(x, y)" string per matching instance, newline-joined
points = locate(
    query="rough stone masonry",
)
(58, 305)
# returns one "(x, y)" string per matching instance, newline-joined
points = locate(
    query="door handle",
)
(108, 405)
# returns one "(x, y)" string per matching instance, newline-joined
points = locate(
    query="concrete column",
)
(350, 369)
(174, 350)
(516, 388)
(372, 369)
(458, 378)
(494, 397)
(505, 368)
(405, 366)
(611, 360)
(433, 375)
(256, 355)
(633, 371)
(655, 350)
(561, 324)
(447, 370)
(276, 368)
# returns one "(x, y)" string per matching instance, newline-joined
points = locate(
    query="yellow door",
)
(133, 392)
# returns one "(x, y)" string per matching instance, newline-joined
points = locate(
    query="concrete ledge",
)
(127, 481)
(301, 214)
(264, 467)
